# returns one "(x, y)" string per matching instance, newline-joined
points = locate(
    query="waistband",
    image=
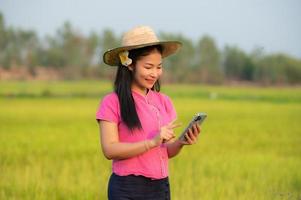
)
(139, 178)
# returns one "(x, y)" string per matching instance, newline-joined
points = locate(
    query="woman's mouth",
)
(150, 81)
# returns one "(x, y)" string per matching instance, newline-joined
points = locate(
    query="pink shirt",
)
(154, 110)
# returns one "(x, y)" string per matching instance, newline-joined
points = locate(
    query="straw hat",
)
(138, 37)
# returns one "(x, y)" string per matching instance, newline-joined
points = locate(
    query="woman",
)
(136, 121)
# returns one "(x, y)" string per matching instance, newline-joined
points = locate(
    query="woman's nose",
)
(154, 73)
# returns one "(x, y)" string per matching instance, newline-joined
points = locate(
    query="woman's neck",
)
(142, 91)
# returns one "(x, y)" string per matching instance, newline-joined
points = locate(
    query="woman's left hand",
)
(192, 135)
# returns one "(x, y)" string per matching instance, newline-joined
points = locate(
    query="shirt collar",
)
(146, 97)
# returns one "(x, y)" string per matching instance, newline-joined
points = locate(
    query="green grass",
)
(249, 147)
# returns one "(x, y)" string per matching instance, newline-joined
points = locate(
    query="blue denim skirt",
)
(137, 187)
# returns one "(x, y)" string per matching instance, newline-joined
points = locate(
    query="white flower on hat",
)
(124, 58)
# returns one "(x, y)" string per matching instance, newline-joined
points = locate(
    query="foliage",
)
(80, 56)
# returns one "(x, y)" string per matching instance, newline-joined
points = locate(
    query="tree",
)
(67, 48)
(278, 68)
(209, 61)
(108, 40)
(2, 33)
(18, 47)
(179, 66)
(237, 65)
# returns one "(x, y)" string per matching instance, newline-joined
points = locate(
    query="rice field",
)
(249, 148)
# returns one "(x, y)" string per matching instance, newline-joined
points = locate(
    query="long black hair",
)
(122, 87)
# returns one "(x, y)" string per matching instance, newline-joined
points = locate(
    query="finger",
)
(173, 121)
(187, 136)
(184, 142)
(170, 131)
(195, 130)
(168, 136)
(198, 128)
(168, 139)
(191, 135)
(172, 126)
(188, 140)
(172, 137)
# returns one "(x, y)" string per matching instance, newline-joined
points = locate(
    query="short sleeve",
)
(109, 108)
(169, 107)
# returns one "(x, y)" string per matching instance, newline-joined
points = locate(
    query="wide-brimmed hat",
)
(138, 37)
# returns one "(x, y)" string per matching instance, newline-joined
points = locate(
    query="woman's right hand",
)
(166, 134)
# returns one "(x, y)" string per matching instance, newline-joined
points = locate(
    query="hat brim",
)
(111, 58)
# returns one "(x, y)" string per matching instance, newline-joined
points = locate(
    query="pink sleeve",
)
(170, 109)
(109, 108)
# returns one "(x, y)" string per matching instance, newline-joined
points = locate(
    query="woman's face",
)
(147, 71)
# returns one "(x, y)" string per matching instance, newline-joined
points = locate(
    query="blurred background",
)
(240, 63)
(249, 41)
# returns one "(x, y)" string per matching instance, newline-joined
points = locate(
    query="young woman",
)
(136, 120)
